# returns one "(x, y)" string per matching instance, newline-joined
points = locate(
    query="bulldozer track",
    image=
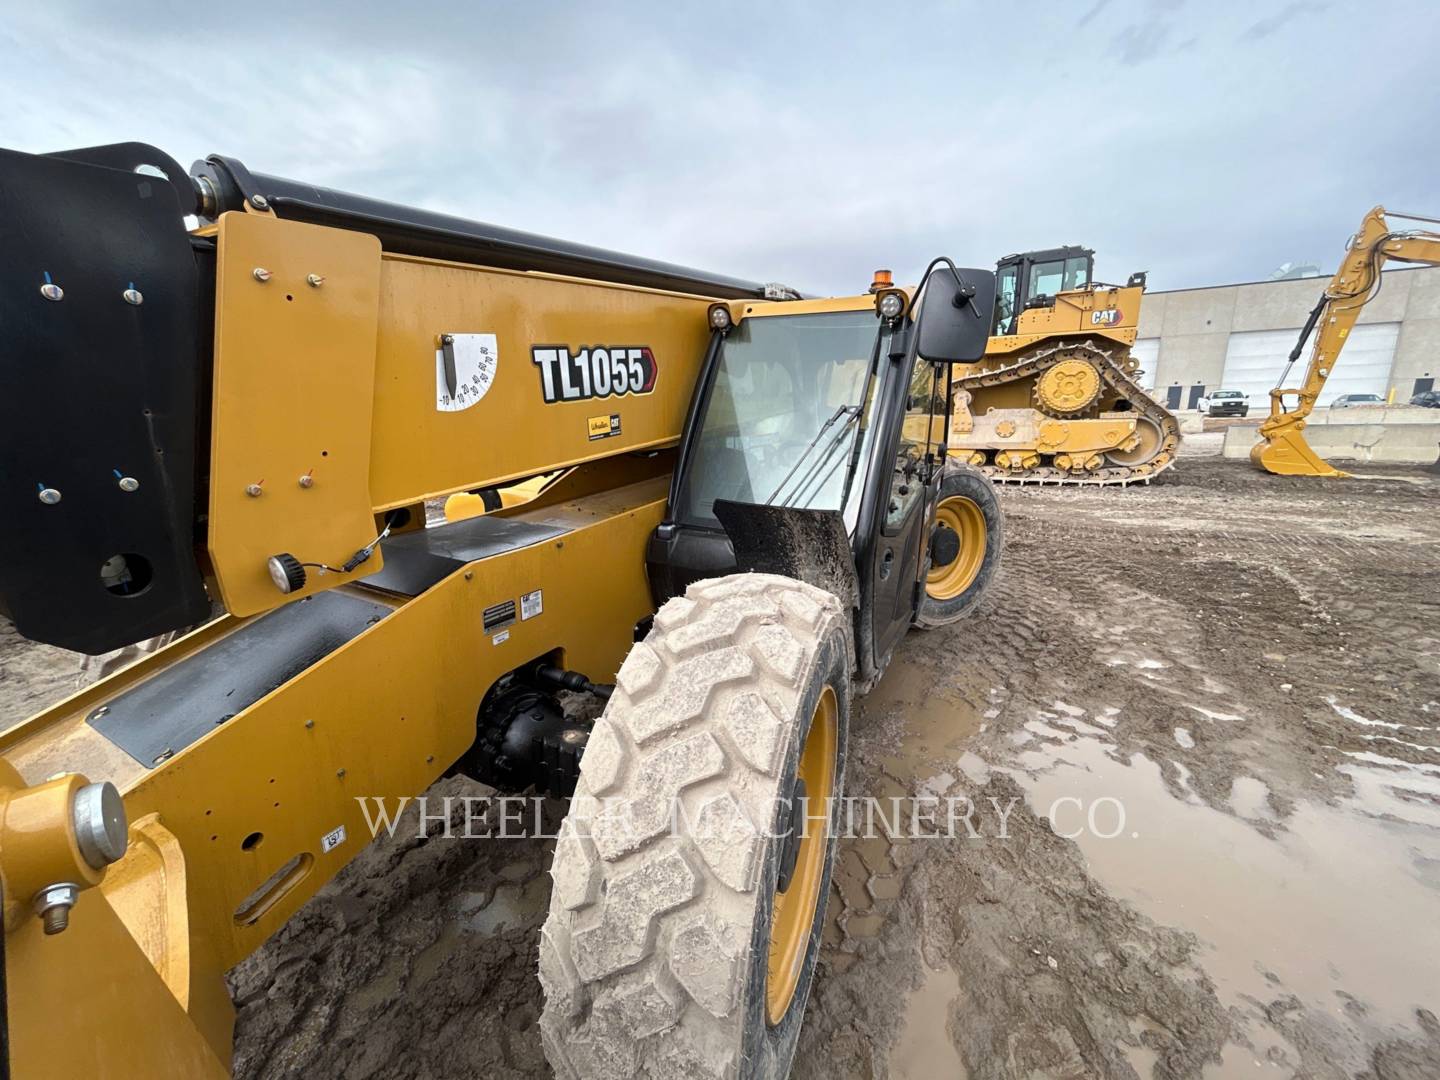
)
(1115, 378)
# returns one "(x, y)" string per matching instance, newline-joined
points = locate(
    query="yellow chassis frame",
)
(384, 716)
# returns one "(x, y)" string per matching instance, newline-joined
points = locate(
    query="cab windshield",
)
(783, 415)
(1058, 275)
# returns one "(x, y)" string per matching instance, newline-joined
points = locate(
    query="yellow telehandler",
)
(1054, 400)
(753, 505)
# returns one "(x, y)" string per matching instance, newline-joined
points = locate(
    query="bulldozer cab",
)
(1030, 278)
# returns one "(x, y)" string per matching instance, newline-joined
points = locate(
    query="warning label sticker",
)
(531, 604)
(498, 616)
(332, 839)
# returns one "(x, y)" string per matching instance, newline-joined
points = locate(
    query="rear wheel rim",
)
(967, 520)
(792, 918)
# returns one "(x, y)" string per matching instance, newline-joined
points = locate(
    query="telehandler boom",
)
(752, 505)
(1283, 449)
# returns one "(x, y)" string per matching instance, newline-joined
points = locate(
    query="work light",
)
(891, 305)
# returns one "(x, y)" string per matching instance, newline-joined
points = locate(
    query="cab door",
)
(896, 568)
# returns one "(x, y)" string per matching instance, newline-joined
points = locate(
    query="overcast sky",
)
(810, 143)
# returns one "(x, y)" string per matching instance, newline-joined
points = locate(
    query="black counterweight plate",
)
(171, 710)
(93, 390)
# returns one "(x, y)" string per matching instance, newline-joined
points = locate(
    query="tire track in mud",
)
(1226, 657)
(1048, 975)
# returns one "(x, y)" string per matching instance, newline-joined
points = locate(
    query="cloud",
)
(1140, 41)
(1147, 37)
(1275, 21)
(1089, 15)
(810, 143)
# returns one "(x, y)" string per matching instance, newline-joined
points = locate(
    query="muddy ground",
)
(1222, 689)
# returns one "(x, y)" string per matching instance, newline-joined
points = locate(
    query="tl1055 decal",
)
(595, 372)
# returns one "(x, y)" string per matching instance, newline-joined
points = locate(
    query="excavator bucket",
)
(1286, 453)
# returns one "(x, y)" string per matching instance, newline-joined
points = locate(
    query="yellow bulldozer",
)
(261, 411)
(1055, 398)
(1282, 448)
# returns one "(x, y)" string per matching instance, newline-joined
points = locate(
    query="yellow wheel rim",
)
(793, 916)
(967, 520)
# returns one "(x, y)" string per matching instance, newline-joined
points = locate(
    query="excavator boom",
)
(1283, 449)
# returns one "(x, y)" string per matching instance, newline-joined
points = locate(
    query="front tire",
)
(669, 949)
(968, 507)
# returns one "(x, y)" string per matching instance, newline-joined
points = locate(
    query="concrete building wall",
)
(1417, 353)
(1193, 326)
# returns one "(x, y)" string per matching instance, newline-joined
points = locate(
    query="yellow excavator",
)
(1055, 398)
(1283, 449)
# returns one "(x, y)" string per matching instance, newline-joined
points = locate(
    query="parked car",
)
(1227, 403)
(1429, 399)
(1345, 401)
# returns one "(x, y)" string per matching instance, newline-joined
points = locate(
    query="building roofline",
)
(1322, 278)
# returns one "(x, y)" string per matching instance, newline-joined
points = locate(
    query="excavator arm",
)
(1283, 449)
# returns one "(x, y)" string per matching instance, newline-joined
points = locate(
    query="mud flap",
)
(809, 545)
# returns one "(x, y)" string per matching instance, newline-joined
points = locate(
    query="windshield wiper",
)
(854, 414)
(851, 461)
(815, 479)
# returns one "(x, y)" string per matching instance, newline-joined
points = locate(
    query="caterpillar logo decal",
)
(596, 372)
(1108, 317)
(603, 427)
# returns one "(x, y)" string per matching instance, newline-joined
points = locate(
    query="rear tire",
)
(967, 500)
(655, 958)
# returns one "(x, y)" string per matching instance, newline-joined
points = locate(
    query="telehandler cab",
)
(751, 505)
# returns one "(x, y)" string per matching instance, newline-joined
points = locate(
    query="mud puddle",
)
(924, 1049)
(1335, 911)
(925, 726)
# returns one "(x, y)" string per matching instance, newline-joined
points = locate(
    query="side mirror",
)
(954, 317)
